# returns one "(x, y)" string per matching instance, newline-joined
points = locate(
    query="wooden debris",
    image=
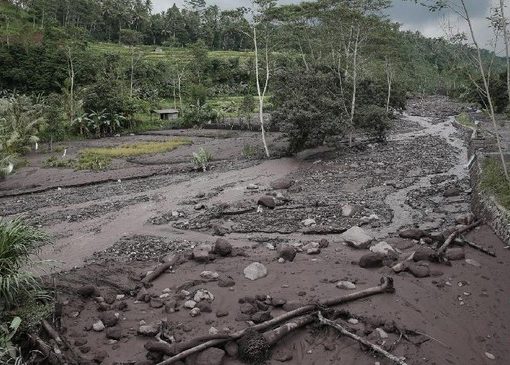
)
(463, 241)
(158, 271)
(386, 286)
(441, 250)
(361, 340)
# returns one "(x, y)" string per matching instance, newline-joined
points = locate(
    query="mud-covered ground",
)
(110, 234)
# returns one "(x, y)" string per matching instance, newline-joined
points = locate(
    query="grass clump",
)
(201, 159)
(56, 162)
(92, 162)
(136, 149)
(465, 120)
(494, 181)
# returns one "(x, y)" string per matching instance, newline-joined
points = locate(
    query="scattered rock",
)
(490, 356)
(382, 333)
(455, 254)
(194, 312)
(114, 333)
(357, 238)
(98, 326)
(209, 275)
(451, 191)
(201, 253)
(282, 184)
(382, 248)
(419, 271)
(100, 356)
(413, 233)
(170, 306)
(199, 206)
(252, 187)
(190, 304)
(248, 308)
(204, 307)
(352, 321)
(148, 330)
(88, 291)
(211, 356)
(203, 294)
(109, 318)
(255, 271)
(222, 247)
(347, 210)
(423, 253)
(287, 252)
(371, 260)
(323, 243)
(221, 313)
(313, 251)
(261, 316)
(308, 222)
(156, 303)
(226, 281)
(346, 285)
(267, 201)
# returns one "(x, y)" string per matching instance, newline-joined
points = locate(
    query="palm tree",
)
(17, 242)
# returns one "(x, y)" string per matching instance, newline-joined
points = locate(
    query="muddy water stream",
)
(403, 214)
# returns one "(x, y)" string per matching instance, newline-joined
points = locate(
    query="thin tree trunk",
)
(179, 89)
(354, 85)
(505, 35)
(261, 93)
(389, 79)
(71, 86)
(132, 71)
(487, 90)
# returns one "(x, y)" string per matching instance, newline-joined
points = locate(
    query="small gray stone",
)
(255, 271)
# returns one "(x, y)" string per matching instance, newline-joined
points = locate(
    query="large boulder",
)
(455, 254)
(382, 248)
(282, 184)
(357, 238)
(424, 253)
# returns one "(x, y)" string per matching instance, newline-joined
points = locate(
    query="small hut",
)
(167, 114)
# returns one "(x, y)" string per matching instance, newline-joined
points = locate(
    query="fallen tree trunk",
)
(275, 335)
(361, 340)
(386, 286)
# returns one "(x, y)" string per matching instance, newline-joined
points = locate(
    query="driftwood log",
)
(361, 340)
(160, 269)
(190, 348)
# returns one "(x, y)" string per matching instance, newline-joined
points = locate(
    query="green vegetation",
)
(465, 120)
(136, 149)
(493, 181)
(17, 242)
(9, 353)
(201, 159)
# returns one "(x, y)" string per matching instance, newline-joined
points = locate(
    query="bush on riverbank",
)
(494, 182)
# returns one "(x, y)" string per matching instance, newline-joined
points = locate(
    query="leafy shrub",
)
(373, 120)
(201, 159)
(17, 242)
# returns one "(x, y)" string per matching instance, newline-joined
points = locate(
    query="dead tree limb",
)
(361, 340)
(441, 250)
(160, 270)
(386, 286)
(275, 335)
(474, 245)
(53, 334)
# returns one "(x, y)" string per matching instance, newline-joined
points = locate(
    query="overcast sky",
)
(411, 16)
